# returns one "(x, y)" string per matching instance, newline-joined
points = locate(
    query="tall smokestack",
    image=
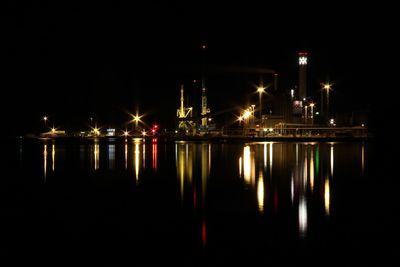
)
(302, 75)
(275, 81)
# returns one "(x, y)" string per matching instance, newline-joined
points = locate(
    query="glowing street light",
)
(326, 87)
(136, 119)
(252, 112)
(260, 91)
(45, 118)
(312, 112)
(305, 114)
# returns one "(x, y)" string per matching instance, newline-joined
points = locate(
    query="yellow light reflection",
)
(305, 165)
(126, 156)
(181, 169)
(96, 156)
(271, 148)
(260, 192)
(45, 161)
(184, 165)
(303, 216)
(265, 156)
(53, 157)
(136, 163)
(205, 170)
(247, 164)
(312, 170)
(332, 160)
(327, 196)
(209, 158)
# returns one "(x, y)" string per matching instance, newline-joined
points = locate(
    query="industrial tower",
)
(302, 76)
(204, 109)
(185, 115)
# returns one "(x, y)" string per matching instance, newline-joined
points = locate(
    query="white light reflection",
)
(312, 169)
(111, 156)
(45, 161)
(327, 196)
(292, 188)
(144, 155)
(53, 157)
(302, 216)
(240, 166)
(136, 162)
(126, 156)
(260, 192)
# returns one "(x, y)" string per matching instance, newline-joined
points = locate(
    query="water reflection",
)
(362, 158)
(260, 192)
(111, 156)
(96, 153)
(193, 171)
(136, 157)
(144, 154)
(302, 216)
(154, 154)
(327, 195)
(184, 162)
(126, 155)
(45, 161)
(312, 169)
(297, 176)
(332, 159)
(299, 166)
(248, 165)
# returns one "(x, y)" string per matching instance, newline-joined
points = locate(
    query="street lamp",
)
(45, 118)
(312, 112)
(136, 119)
(327, 87)
(252, 112)
(305, 114)
(260, 91)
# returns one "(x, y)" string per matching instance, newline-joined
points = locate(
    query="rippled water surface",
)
(111, 202)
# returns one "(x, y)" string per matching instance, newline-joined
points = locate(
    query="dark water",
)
(259, 204)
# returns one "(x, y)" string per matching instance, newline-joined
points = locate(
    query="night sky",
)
(74, 61)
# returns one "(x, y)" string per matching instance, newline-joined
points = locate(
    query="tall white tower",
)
(302, 75)
(204, 109)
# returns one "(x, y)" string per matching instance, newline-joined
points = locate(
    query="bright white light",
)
(327, 196)
(260, 193)
(302, 60)
(247, 164)
(302, 216)
(292, 93)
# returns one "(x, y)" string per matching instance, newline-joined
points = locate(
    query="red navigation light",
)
(203, 46)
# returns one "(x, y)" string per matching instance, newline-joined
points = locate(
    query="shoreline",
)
(213, 139)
